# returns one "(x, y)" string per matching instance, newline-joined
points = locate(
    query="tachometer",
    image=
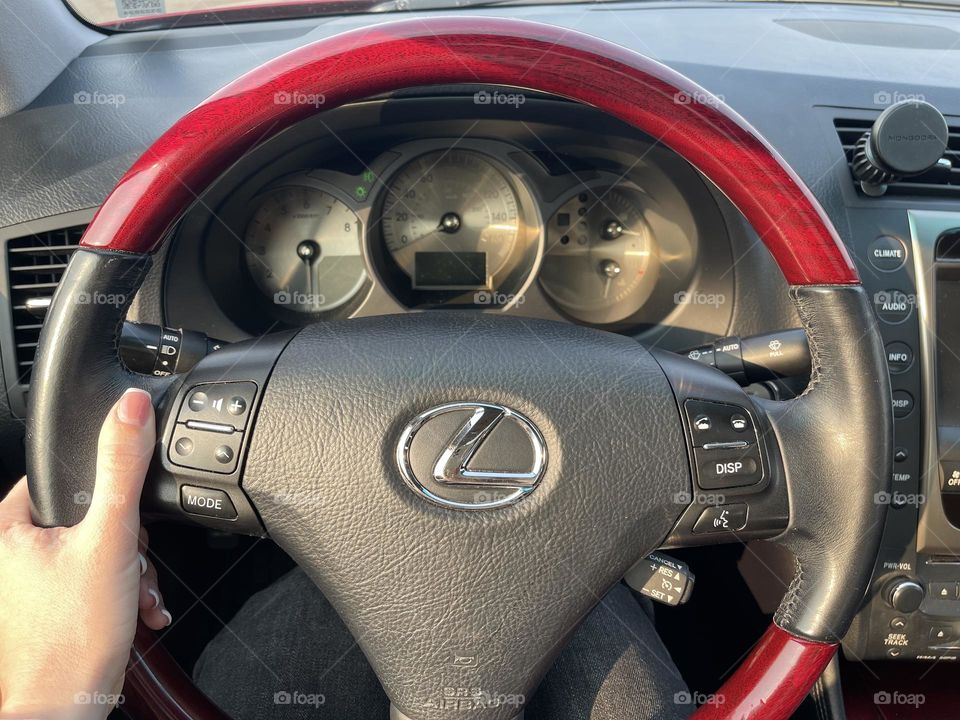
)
(601, 260)
(303, 250)
(451, 221)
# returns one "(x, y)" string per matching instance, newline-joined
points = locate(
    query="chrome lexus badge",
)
(472, 456)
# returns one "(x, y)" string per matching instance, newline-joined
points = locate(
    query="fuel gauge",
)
(601, 261)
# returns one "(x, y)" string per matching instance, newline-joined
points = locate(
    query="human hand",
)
(70, 596)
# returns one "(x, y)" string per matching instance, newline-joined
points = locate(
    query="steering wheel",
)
(448, 575)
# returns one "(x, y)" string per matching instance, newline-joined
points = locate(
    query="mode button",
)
(207, 502)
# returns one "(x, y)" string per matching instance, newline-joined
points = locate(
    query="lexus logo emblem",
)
(472, 456)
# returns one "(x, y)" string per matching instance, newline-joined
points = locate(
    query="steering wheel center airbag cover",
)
(419, 584)
(472, 455)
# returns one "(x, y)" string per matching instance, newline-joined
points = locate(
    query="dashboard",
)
(444, 199)
(383, 208)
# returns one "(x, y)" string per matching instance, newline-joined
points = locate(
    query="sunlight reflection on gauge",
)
(601, 260)
(303, 250)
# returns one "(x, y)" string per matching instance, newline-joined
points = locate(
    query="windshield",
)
(157, 14)
(152, 14)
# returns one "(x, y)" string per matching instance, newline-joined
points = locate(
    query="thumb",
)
(124, 451)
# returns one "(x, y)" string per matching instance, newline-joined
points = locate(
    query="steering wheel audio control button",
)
(207, 502)
(237, 406)
(222, 403)
(183, 446)
(722, 518)
(714, 422)
(211, 451)
(210, 427)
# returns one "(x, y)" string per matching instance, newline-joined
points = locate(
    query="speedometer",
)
(451, 221)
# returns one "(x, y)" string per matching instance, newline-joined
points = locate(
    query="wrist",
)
(15, 709)
(81, 706)
(46, 689)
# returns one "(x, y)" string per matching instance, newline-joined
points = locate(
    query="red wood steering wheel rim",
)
(357, 65)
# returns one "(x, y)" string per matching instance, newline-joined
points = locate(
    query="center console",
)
(912, 268)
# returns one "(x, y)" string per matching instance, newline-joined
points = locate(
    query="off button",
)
(951, 477)
(207, 502)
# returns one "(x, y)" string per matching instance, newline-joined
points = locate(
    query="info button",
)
(899, 357)
(207, 502)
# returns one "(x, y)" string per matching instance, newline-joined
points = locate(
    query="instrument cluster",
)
(467, 224)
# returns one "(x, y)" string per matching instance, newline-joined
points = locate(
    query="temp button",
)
(207, 502)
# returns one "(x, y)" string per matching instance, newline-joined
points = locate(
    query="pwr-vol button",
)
(207, 502)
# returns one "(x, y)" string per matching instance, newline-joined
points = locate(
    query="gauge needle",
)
(309, 252)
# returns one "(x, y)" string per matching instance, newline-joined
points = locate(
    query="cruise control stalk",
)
(160, 351)
(757, 358)
(661, 578)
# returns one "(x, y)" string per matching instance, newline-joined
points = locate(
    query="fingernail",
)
(134, 407)
(167, 615)
(156, 599)
(143, 563)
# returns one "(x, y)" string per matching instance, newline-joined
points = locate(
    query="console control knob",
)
(908, 138)
(904, 595)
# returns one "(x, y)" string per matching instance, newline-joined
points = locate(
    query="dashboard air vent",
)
(35, 264)
(941, 181)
